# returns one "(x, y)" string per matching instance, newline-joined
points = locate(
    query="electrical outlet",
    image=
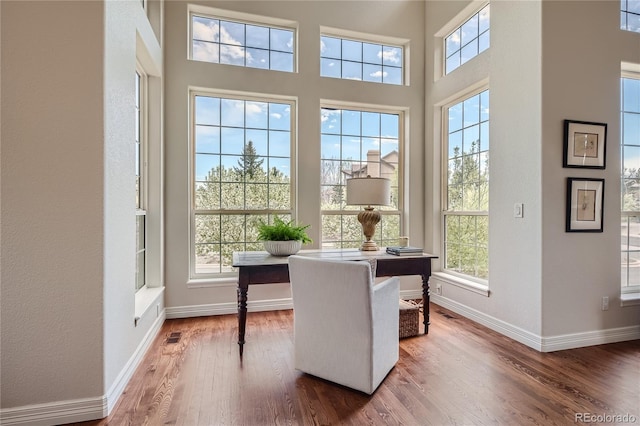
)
(518, 210)
(605, 303)
(439, 289)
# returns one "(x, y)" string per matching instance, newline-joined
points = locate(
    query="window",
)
(141, 212)
(467, 41)
(224, 41)
(466, 189)
(357, 143)
(630, 15)
(358, 60)
(241, 174)
(630, 186)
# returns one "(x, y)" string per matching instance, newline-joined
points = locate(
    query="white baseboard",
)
(252, 306)
(79, 410)
(114, 393)
(54, 413)
(540, 343)
(590, 338)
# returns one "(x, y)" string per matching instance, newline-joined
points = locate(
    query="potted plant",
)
(282, 238)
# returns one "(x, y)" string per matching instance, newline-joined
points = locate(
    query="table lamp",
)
(367, 192)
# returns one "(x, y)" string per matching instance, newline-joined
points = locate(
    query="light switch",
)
(518, 210)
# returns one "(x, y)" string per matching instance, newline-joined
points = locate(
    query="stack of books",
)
(404, 251)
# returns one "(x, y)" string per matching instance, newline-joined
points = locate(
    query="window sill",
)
(463, 283)
(145, 298)
(213, 282)
(630, 299)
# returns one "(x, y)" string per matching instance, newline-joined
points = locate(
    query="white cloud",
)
(202, 31)
(392, 55)
(276, 115)
(378, 74)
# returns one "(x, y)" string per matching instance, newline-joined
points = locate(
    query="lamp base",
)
(369, 246)
(369, 218)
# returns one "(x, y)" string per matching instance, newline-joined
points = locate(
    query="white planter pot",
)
(282, 248)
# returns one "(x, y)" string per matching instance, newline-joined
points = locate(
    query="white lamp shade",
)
(369, 191)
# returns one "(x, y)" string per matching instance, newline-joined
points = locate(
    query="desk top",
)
(259, 258)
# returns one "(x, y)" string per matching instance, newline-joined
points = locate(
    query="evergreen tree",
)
(250, 163)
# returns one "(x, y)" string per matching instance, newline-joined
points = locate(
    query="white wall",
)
(68, 337)
(548, 61)
(583, 49)
(52, 202)
(402, 19)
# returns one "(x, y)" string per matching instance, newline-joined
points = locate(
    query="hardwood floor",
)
(461, 373)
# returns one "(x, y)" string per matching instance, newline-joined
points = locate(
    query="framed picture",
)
(584, 204)
(585, 144)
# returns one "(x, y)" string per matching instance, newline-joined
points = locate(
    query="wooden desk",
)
(259, 267)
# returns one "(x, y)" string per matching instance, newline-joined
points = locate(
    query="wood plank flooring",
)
(461, 373)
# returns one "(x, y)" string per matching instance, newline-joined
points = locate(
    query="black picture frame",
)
(585, 144)
(585, 205)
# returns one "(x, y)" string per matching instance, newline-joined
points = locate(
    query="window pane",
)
(282, 40)
(355, 60)
(631, 95)
(452, 43)
(207, 110)
(392, 75)
(630, 15)
(352, 50)
(251, 173)
(240, 44)
(257, 36)
(257, 58)
(392, 56)
(358, 153)
(330, 68)
(205, 29)
(466, 42)
(467, 188)
(351, 70)
(372, 73)
(469, 30)
(372, 53)
(282, 61)
(232, 33)
(330, 47)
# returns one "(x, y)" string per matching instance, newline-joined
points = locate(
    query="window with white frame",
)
(242, 173)
(630, 15)
(630, 185)
(468, 40)
(359, 143)
(361, 60)
(141, 212)
(466, 187)
(220, 40)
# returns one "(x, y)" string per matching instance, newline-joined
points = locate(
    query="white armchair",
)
(345, 325)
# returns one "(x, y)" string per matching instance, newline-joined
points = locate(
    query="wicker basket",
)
(409, 321)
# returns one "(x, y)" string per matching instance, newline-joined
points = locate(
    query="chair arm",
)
(387, 288)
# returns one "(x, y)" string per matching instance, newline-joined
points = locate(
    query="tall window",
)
(140, 137)
(224, 41)
(357, 143)
(630, 15)
(468, 40)
(358, 60)
(630, 173)
(241, 174)
(466, 190)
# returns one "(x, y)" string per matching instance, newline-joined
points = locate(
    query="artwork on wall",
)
(584, 204)
(585, 144)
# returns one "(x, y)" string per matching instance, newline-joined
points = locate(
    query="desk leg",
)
(242, 314)
(425, 302)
